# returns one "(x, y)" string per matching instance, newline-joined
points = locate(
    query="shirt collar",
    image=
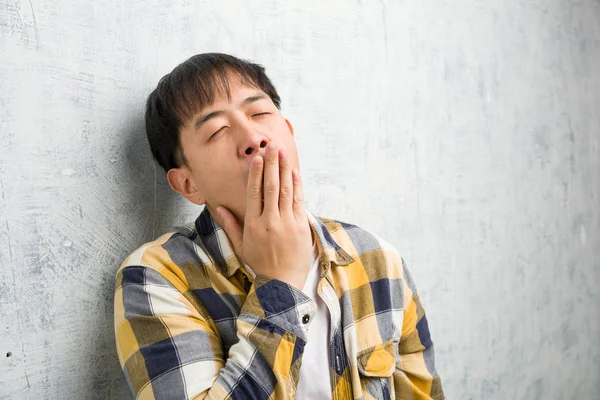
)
(218, 246)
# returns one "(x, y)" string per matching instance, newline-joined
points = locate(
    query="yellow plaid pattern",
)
(191, 323)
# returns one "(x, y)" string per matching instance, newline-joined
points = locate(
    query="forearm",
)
(272, 336)
(169, 350)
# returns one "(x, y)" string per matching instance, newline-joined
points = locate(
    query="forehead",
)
(231, 89)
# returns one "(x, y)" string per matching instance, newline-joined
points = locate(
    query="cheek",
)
(222, 175)
(290, 145)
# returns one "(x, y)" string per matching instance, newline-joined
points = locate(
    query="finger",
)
(231, 227)
(271, 180)
(286, 186)
(254, 190)
(298, 202)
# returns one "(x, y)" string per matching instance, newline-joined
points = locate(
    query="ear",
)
(180, 180)
(289, 124)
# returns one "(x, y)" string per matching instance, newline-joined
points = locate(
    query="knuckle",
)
(286, 190)
(254, 191)
(252, 228)
(271, 188)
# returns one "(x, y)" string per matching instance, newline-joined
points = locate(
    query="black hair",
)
(185, 91)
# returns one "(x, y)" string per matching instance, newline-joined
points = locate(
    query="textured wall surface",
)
(466, 133)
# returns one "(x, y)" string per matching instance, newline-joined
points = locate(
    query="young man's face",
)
(221, 140)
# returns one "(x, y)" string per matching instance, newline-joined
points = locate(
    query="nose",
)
(252, 143)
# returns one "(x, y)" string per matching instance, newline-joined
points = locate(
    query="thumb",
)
(231, 227)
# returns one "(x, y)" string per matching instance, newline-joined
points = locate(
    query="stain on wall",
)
(467, 134)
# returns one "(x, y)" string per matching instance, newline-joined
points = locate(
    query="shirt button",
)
(305, 319)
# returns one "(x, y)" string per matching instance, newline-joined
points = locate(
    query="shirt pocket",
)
(376, 366)
(379, 360)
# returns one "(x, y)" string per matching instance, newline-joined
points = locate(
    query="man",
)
(258, 298)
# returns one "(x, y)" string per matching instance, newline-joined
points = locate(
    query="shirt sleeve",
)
(415, 377)
(169, 347)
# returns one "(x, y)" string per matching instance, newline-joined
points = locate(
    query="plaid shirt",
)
(191, 323)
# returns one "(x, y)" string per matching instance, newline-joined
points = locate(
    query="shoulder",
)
(362, 243)
(167, 254)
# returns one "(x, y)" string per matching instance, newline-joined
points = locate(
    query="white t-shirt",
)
(314, 383)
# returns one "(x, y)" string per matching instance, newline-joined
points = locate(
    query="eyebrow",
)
(204, 118)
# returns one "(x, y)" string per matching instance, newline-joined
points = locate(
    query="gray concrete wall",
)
(466, 133)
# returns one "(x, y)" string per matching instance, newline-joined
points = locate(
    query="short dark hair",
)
(191, 86)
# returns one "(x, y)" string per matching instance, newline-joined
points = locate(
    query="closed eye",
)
(254, 115)
(215, 134)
